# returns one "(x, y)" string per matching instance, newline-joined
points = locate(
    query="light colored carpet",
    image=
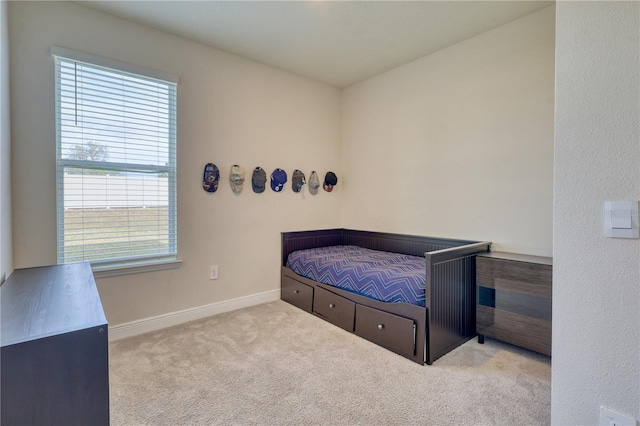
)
(274, 364)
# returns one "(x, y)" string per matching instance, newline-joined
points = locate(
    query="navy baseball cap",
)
(210, 177)
(330, 180)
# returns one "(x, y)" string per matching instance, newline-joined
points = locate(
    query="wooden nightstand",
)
(513, 301)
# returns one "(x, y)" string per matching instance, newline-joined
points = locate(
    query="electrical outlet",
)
(213, 272)
(609, 417)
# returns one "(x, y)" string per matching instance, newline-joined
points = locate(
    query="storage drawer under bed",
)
(387, 330)
(297, 293)
(335, 309)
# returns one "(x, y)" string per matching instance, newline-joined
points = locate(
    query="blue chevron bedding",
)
(389, 277)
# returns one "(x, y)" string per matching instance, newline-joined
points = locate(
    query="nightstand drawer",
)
(520, 277)
(520, 330)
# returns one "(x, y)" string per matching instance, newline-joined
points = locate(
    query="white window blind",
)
(116, 165)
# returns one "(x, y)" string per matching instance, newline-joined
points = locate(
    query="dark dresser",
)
(54, 365)
(514, 299)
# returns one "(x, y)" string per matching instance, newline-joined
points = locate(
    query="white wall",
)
(596, 282)
(6, 255)
(459, 143)
(230, 110)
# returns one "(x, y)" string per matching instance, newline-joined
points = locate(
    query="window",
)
(116, 164)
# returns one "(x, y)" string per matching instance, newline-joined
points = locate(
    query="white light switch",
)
(621, 219)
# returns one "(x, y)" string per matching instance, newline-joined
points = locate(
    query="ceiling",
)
(336, 42)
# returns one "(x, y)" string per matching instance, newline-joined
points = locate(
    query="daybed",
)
(420, 333)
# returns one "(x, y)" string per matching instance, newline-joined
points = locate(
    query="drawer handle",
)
(296, 291)
(331, 305)
(380, 326)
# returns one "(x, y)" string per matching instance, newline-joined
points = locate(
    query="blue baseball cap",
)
(278, 179)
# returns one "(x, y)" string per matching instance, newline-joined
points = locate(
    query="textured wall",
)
(596, 337)
(230, 110)
(6, 254)
(459, 143)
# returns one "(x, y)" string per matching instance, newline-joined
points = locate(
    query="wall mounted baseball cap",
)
(210, 178)
(297, 180)
(314, 183)
(236, 178)
(330, 180)
(258, 180)
(278, 179)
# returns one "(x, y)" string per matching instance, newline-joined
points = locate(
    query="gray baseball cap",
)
(314, 183)
(258, 180)
(297, 180)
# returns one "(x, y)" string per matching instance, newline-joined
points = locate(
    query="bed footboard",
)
(450, 297)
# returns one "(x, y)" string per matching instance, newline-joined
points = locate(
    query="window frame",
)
(128, 264)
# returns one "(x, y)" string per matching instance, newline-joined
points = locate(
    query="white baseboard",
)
(146, 325)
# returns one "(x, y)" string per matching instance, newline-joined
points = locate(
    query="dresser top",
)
(49, 300)
(518, 257)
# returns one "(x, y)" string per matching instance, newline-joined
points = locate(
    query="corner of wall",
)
(6, 246)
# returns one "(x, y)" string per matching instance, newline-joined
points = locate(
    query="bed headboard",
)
(395, 243)
(292, 241)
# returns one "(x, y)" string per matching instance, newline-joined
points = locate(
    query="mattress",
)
(389, 277)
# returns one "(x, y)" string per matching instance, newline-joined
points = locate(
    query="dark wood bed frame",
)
(422, 334)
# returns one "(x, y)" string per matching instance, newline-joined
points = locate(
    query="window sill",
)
(104, 271)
